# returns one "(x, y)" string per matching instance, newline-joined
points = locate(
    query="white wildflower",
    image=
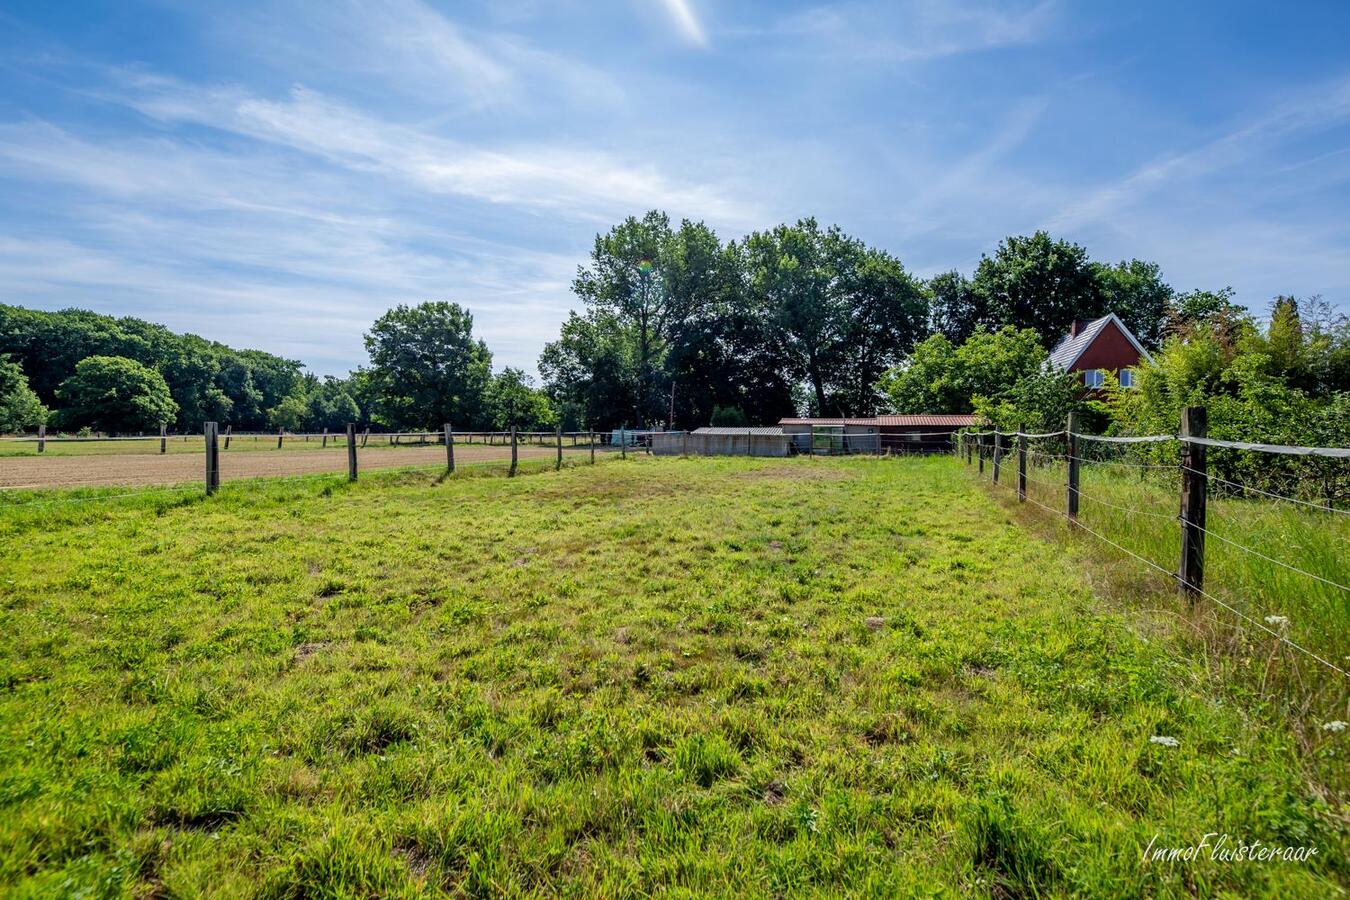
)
(1336, 725)
(1280, 622)
(1164, 740)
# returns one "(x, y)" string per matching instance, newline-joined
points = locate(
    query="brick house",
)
(1100, 349)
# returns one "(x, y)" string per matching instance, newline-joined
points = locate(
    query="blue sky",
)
(277, 175)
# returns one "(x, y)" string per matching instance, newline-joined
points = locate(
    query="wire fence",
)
(1277, 561)
(77, 464)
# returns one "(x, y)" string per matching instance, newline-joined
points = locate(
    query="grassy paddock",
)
(714, 676)
(1140, 514)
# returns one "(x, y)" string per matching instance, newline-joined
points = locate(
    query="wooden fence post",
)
(228, 430)
(684, 450)
(324, 447)
(557, 466)
(42, 438)
(1194, 487)
(351, 451)
(365, 436)
(163, 438)
(1021, 463)
(998, 453)
(449, 448)
(513, 451)
(979, 452)
(210, 432)
(1071, 432)
(281, 433)
(623, 441)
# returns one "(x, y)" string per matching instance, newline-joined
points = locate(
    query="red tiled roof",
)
(868, 421)
(954, 420)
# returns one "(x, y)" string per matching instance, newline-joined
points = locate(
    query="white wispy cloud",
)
(686, 22)
(411, 49)
(587, 183)
(246, 248)
(1319, 108)
(916, 31)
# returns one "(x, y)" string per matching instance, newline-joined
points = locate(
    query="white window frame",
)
(1094, 378)
(1126, 378)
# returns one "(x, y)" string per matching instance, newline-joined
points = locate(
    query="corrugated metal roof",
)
(763, 429)
(956, 420)
(1068, 350)
(868, 421)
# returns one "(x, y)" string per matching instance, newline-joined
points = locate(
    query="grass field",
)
(763, 677)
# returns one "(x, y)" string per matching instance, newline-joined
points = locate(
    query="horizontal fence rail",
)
(173, 461)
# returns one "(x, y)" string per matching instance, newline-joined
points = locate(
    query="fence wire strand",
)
(1279, 635)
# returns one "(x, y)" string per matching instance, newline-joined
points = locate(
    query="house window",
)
(1127, 378)
(1094, 378)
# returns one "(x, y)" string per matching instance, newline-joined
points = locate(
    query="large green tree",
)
(1136, 293)
(1038, 283)
(591, 372)
(20, 408)
(843, 313)
(955, 309)
(512, 401)
(651, 279)
(115, 394)
(427, 367)
(942, 377)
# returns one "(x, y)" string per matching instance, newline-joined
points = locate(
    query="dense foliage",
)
(1043, 284)
(1286, 383)
(512, 401)
(426, 367)
(20, 408)
(942, 377)
(207, 380)
(679, 325)
(114, 394)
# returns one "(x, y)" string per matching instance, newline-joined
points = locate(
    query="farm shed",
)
(921, 433)
(827, 435)
(768, 441)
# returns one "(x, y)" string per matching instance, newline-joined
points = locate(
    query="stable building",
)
(833, 435)
(921, 433)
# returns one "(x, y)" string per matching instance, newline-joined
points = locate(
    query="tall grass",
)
(1270, 566)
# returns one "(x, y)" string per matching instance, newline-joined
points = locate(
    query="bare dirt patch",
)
(182, 468)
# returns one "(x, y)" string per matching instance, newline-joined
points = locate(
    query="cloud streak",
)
(588, 184)
(686, 22)
(918, 31)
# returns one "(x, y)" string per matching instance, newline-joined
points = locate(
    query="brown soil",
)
(181, 468)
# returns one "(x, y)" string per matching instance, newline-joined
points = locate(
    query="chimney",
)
(1077, 327)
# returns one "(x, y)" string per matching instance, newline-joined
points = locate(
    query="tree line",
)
(677, 328)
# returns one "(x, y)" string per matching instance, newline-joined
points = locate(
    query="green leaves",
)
(115, 394)
(20, 408)
(940, 377)
(206, 380)
(426, 367)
